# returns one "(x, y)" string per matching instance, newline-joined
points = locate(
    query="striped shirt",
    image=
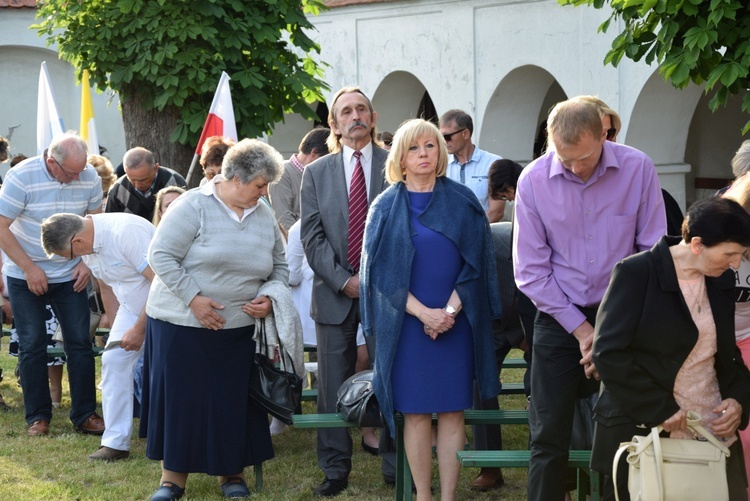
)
(29, 195)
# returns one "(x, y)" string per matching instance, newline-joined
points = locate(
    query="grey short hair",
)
(251, 158)
(136, 156)
(741, 160)
(58, 230)
(68, 144)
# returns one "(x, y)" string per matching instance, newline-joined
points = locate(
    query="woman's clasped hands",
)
(437, 321)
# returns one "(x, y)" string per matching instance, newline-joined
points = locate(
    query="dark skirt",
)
(196, 414)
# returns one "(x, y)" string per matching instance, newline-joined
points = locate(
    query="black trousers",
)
(557, 381)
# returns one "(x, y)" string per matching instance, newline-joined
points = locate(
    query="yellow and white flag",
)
(88, 126)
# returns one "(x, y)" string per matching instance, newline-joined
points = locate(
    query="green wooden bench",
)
(54, 351)
(520, 459)
(508, 389)
(403, 473)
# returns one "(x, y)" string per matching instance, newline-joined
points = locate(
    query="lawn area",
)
(56, 466)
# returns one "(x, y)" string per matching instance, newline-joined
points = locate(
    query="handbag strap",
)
(658, 460)
(615, 464)
(694, 423)
(261, 325)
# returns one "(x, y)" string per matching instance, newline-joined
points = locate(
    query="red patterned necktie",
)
(357, 212)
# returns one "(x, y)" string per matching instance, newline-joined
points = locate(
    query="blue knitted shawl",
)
(455, 212)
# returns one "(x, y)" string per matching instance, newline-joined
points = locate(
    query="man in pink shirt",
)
(580, 208)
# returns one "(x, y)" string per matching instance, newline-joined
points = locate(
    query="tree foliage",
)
(700, 41)
(169, 55)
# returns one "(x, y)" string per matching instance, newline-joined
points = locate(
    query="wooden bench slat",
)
(311, 395)
(514, 363)
(514, 459)
(60, 352)
(502, 416)
(321, 421)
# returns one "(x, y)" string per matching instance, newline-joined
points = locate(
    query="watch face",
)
(450, 310)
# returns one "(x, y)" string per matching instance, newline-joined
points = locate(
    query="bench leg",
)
(258, 468)
(581, 481)
(596, 486)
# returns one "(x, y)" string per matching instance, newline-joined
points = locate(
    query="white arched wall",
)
(658, 126)
(20, 66)
(397, 99)
(513, 113)
(712, 140)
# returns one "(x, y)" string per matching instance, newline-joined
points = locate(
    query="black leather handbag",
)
(357, 402)
(274, 389)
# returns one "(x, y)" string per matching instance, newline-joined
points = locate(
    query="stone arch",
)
(686, 141)
(517, 108)
(399, 97)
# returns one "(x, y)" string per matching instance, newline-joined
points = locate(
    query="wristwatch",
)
(450, 310)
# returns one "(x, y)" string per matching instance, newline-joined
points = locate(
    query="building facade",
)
(506, 62)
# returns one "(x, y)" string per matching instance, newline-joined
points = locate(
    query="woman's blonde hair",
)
(104, 168)
(605, 110)
(160, 198)
(407, 133)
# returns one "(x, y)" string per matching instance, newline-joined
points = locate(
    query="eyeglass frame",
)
(449, 137)
(71, 246)
(66, 172)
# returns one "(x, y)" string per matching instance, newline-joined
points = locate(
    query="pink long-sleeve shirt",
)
(569, 234)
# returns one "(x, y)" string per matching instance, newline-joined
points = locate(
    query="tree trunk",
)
(151, 129)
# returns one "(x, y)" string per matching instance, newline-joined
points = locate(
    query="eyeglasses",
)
(448, 137)
(611, 133)
(67, 172)
(71, 243)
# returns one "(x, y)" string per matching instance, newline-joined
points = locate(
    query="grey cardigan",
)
(199, 249)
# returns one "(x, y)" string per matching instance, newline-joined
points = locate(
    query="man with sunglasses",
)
(58, 180)
(467, 164)
(580, 208)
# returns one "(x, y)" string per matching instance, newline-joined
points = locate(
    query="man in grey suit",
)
(330, 186)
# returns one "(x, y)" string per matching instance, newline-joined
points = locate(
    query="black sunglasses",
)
(448, 137)
(611, 132)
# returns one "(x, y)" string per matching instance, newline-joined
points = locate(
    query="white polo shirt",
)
(120, 255)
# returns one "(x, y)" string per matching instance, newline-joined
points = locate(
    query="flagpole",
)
(192, 167)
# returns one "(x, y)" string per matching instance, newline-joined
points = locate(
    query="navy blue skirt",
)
(196, 413)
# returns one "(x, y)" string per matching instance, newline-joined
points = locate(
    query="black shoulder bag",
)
(272, 388)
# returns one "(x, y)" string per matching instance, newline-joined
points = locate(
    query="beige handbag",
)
(666, 469)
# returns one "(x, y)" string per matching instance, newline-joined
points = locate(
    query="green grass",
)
(56, 466)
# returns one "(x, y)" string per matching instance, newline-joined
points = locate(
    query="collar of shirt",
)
(475, 157)
(97, 238)
(209, 189)
(147, 193)
(295, 161)
(350, 162)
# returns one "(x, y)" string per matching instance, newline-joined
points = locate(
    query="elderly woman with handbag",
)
(214, 249)
(428, 292)
(664, 343)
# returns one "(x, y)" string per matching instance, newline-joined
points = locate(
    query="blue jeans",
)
(72, 311)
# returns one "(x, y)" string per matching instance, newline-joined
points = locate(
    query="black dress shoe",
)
(331, 487)
(391, 482)
(368, 449)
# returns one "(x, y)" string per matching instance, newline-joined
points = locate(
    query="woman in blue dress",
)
(428, 296)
